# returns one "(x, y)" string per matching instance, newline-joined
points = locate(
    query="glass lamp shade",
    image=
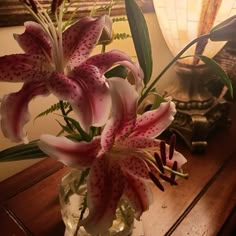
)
(183, 20)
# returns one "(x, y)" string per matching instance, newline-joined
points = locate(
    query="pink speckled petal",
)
(88, 94)
(153, 123)
(97, 92)
(124, 108)
(34, 40)
(80, 38)
(105, 187)
(138, 192)
(140, 142)
(135, 166)
(14, 110)
(21, 67)
(152, 145)
(137, 73)
(106, 60)
(177, 156)
(70, 153)
(67, 89)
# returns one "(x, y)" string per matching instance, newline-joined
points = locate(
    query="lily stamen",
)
(156, 181)
(172, 146)
(159, 162)
(174, 168)
(168, 179)
(163, 152)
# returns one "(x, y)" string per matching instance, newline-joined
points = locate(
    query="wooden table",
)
(203, 205)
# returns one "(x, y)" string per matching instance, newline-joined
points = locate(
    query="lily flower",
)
(58, 62)
(123, 160)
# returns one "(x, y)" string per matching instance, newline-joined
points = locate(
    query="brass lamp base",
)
(198, 111)
(194, 126)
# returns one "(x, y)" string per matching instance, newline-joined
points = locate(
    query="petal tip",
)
(25, 140)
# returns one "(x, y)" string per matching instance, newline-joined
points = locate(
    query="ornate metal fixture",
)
(198, 111)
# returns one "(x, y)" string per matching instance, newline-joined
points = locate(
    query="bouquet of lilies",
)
(108, 136)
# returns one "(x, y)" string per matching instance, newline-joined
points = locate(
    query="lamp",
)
(198, 111)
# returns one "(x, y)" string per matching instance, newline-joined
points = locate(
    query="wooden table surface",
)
(203, 205)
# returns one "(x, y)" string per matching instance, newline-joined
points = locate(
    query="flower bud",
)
(225, 31)
(107, 33)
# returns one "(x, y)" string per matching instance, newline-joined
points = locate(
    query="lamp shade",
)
(183, 20)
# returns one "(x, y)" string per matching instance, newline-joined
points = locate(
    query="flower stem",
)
(81, 215)
(103, 48)
(65, 115)
(150, 87)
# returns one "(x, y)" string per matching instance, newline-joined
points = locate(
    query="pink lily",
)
(121, 160)
(58, 62)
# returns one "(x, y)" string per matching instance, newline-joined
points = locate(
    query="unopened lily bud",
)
(107, 33)
(225, 31)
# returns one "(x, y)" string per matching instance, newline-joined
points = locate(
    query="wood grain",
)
(38, 206)
(27, 178)
(168, 208)
(214, 206)
(229, 227)
(9, 226)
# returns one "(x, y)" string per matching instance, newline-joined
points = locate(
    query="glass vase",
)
(72, 194)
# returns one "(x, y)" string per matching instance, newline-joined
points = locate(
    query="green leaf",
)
(121, 36)
(53, 108)
(118, 19)
(22, 152)
(105, 7)
(140, 37)
(118, 71)
(83, 134)
(28, 151)
(157, 101)
(217, 69)
(64, 128)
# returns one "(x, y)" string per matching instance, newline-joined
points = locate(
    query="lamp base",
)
(194, 126)
(198, 111)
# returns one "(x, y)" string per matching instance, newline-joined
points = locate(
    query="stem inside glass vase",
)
(72, 195)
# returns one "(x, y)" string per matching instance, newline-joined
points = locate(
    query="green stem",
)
(81, 215)
(103, 48)
(150, 87)
(65, 115)
(69, 110)
(110, 8)
(124, 216)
